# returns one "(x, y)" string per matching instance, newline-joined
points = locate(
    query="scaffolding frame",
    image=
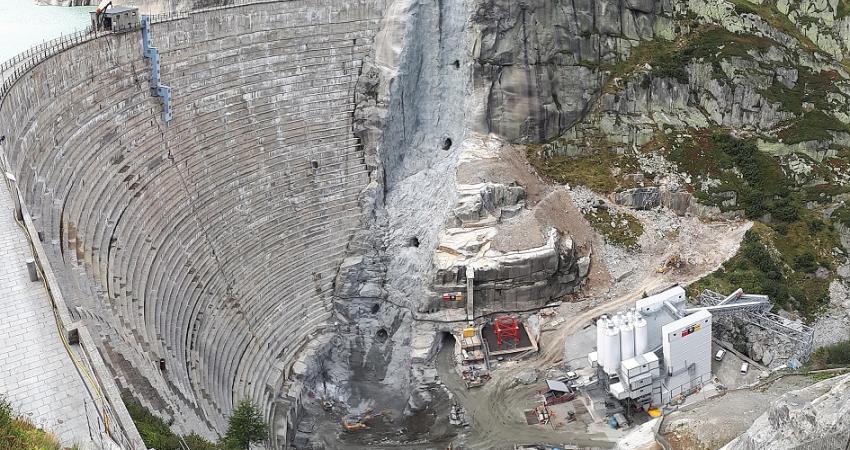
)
(802, 335)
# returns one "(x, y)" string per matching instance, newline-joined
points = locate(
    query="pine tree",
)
(246, 425)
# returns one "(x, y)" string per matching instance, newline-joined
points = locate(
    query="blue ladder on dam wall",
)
(151, 53)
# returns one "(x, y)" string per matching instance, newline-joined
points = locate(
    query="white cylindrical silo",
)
(612, 348)
(601, 325)
(627, 341)
(641, 335)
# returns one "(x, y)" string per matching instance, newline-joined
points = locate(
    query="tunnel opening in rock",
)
(447, 143)
(413, 242)
(456, 64)
(382, 335)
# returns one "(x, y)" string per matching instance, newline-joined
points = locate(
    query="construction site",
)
(472, 224)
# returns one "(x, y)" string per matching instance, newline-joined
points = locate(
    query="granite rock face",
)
(409, 119)
(817, 416)
(540, 60)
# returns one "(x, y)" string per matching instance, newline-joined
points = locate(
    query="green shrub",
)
(816, 225)
(246, 425)
(156, 433)
(17, 433)
(709, 44)
(806, 261)
(834, 355)
(195, 442)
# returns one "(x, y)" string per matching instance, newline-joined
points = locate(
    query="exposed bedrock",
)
(507, 281)
(541, 60)
(682, 203)
(416, 116)
(816, 417)
(211, 243)
(410, 117)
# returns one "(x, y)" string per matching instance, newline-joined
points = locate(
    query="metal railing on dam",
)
(26, 60)
(14, 68)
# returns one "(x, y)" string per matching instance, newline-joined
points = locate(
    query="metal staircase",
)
(152, 54)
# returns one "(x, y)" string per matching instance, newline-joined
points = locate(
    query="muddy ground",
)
(425, 429)
(495, 412)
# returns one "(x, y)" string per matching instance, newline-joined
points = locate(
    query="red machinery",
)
(506, 328)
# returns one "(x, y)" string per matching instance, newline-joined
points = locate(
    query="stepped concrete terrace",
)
(211, 242)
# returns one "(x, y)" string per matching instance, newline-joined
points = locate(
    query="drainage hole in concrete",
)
(315, 164)
(382, 335)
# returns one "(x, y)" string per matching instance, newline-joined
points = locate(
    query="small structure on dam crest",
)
(114, 18)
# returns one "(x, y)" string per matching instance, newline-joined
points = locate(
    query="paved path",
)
(37, 375)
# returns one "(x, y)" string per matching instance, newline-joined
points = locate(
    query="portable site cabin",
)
(116, 18)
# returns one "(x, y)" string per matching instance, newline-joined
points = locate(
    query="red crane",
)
(506, 328)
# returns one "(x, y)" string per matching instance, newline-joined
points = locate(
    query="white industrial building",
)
(686, 345)
(656, 351)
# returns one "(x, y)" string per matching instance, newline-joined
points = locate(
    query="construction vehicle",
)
(101, 8)
(673, 262)
(355, 423)
(108, 17)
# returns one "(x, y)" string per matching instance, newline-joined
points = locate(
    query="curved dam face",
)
(205, 249)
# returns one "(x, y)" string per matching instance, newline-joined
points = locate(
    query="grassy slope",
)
(797, 240)
(596, 171)
(19, 434)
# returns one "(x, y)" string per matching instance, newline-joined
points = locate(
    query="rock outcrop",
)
(540, 61)
(817, 417)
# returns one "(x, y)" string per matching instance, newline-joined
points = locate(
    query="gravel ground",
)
(702, 246)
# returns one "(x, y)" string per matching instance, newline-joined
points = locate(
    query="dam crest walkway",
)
(37, 374)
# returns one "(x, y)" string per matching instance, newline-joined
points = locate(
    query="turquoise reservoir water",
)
(24, 24)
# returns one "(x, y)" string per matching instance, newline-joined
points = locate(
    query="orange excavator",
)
(355, 423)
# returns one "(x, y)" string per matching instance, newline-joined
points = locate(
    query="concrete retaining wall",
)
(212, 242)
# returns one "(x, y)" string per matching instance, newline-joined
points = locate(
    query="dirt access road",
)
(496, 408)
(702, 247)
(495, 412)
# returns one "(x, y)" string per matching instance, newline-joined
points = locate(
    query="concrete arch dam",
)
(210, 242)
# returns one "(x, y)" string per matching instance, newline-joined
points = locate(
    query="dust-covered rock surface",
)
(815, 417)
(589, 151)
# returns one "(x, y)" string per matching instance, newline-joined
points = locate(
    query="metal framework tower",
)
(740, 306)
(506, 328)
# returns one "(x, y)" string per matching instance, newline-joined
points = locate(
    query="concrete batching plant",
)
(661, 349)
(655, 351)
